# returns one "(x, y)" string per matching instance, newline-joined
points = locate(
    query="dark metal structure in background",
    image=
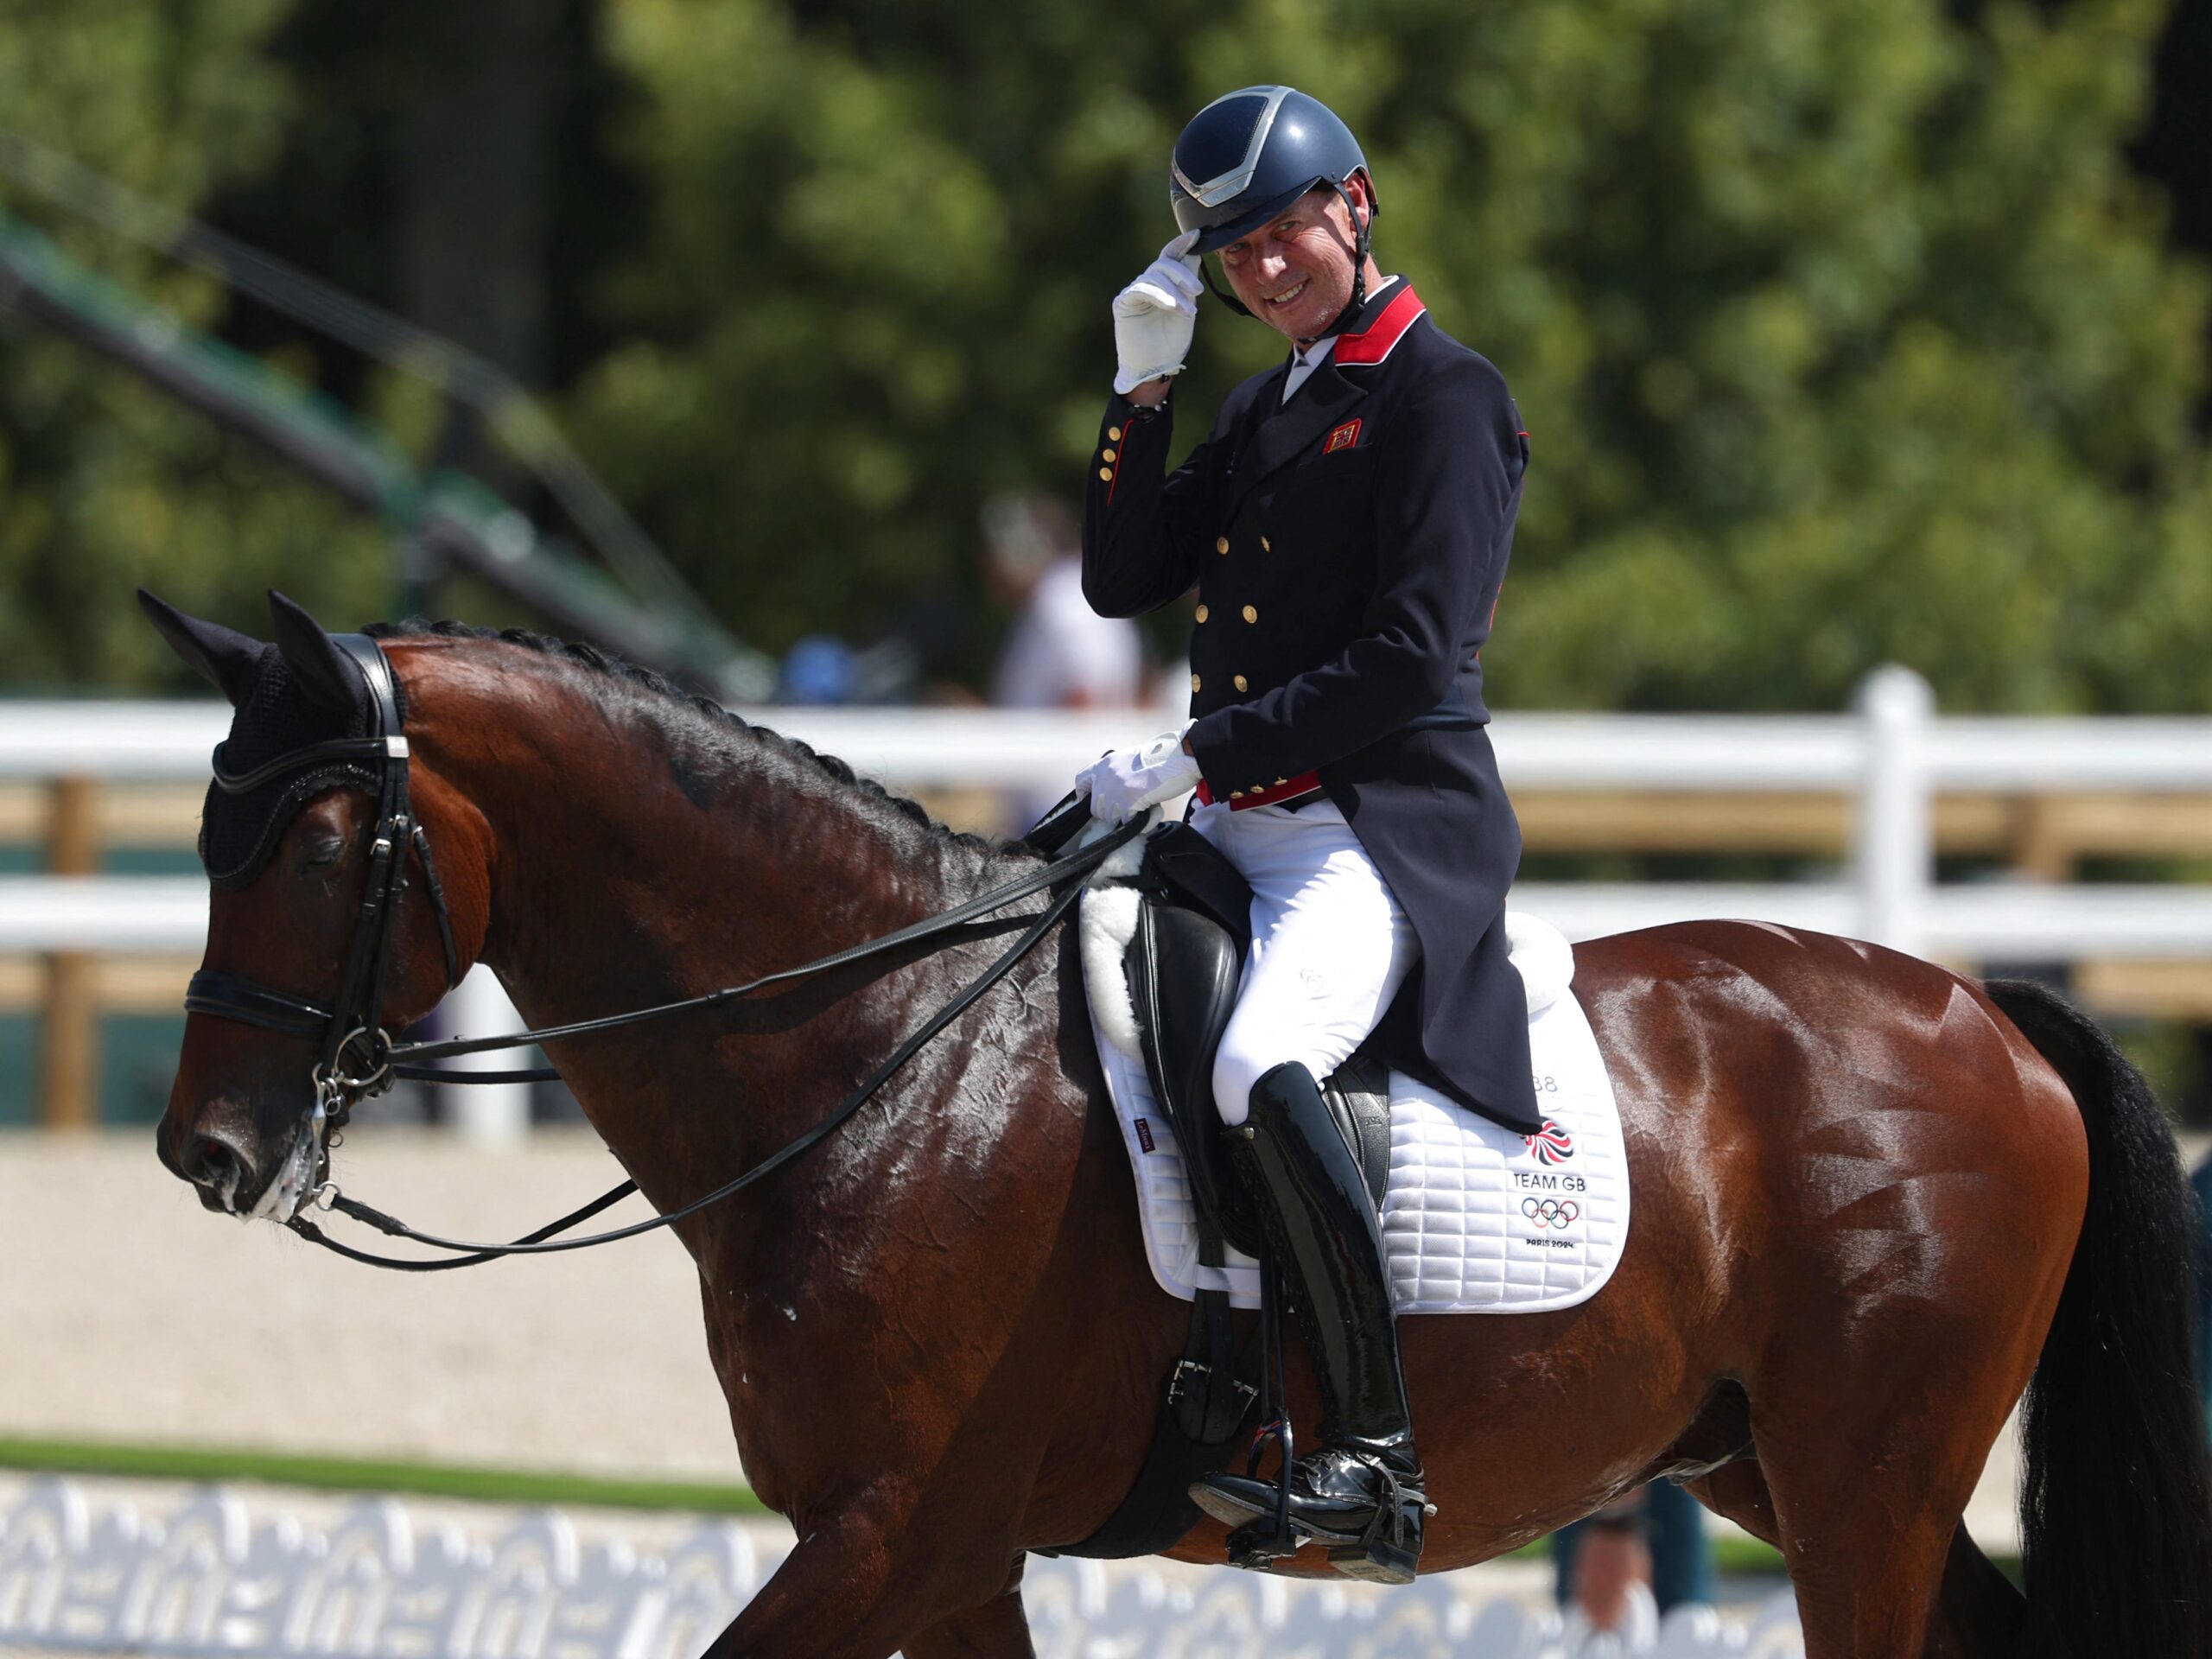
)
(444, 517)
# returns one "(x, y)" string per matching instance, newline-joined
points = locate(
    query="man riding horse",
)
(1347, 524)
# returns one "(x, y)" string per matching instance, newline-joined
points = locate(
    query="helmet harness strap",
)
(1361, 228)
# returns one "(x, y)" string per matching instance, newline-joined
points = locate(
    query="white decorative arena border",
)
(206, 1580)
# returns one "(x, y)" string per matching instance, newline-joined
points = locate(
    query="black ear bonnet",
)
(238, 833)
(301, 691)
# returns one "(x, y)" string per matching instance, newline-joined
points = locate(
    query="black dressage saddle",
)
(1184, 963)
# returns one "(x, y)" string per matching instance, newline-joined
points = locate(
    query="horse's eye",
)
(322, 852)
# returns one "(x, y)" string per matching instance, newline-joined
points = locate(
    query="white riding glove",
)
(1122, 784)
(1156, 315)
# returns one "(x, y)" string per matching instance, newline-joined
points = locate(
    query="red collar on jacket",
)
(1379, 338)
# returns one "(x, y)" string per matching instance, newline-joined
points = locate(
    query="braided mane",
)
(679, 700)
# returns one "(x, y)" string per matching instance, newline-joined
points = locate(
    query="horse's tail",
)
(2116, 1507)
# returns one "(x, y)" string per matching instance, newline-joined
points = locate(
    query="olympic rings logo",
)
(1551, 1213)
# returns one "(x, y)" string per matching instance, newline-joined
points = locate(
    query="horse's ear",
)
(225, 658)
(327, 675)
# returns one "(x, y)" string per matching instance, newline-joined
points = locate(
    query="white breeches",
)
(1330, 945)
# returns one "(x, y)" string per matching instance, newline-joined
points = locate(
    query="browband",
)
(338, 748)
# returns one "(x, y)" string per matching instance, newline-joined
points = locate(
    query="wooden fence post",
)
(69, 1024)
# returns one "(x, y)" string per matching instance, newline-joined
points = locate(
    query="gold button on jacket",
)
(1202, 613)
(1251, 613)
(1238, 680)
(1221, 544)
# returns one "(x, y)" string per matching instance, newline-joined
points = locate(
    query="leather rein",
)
(358, 1060)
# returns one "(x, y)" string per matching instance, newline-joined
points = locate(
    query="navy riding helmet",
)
(1249, 155)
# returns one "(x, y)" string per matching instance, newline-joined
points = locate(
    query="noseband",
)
(355, 1063)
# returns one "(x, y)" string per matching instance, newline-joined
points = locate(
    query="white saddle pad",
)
(1477, 1219)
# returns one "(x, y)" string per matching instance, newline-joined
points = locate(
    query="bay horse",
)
(1875, 1198)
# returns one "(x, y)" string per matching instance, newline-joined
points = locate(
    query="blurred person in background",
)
(1611, 1581)
(1059, 653)
(1625, 1567)
(1347, 525)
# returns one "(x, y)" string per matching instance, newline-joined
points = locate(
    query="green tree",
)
(103, 485)
(1842, 330)
(1847, 336)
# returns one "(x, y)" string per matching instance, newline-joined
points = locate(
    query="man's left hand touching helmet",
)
(1125, 782)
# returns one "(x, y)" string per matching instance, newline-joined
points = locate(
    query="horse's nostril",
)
(212, 1164)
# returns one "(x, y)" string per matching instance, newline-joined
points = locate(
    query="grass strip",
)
(324, 1473)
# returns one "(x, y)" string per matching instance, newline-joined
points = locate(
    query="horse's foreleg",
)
(858, 1586)
(997, 1630)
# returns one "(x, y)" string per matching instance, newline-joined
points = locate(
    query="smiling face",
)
(1294, 273)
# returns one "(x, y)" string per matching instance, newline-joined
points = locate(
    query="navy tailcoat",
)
(1347, 547)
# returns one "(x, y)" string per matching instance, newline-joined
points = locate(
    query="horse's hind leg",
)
(1980, 1613)
(1866, 1562)
(1970, 1611)
(1869, 1468)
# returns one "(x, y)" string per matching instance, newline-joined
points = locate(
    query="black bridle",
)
(358, 1060)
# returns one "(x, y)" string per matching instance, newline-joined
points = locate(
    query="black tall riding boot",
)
(1360, 1494)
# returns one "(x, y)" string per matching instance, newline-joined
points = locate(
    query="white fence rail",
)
(1891, 756)
(207, 1580)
